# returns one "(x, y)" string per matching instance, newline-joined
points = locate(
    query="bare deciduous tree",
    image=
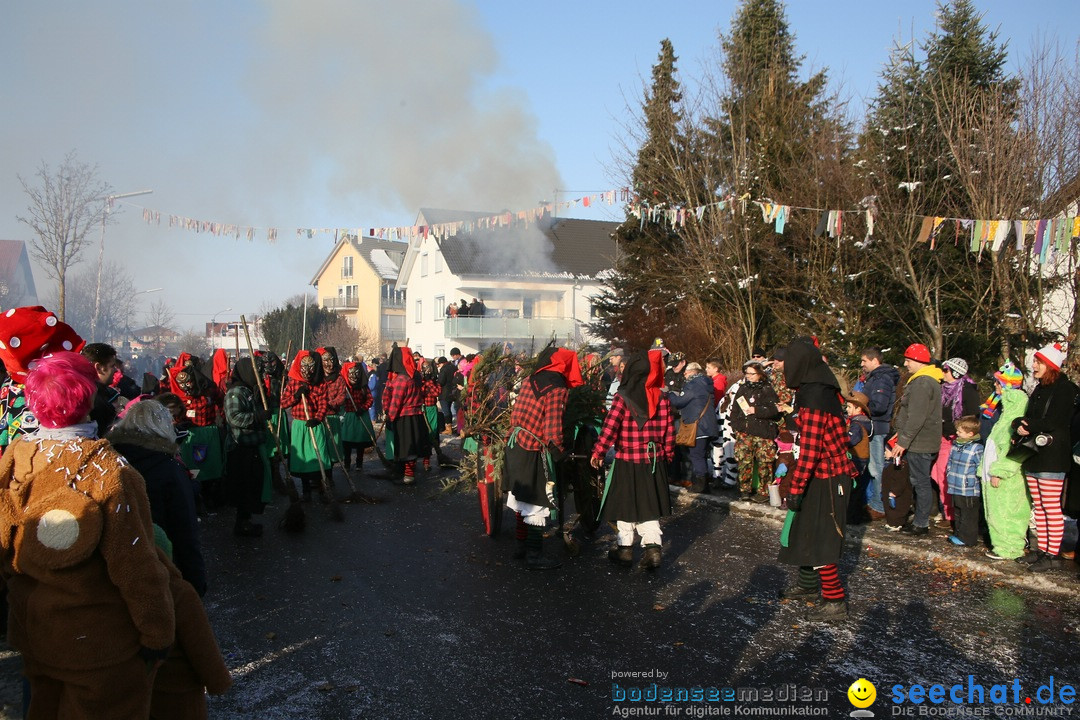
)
(67, 204)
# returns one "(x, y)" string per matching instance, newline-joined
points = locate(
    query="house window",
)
(436, 260)
(440, 350)
(419, 311)
(423, 265)
(526, 307)
(346, 266)
(392, 327)
(440, 307)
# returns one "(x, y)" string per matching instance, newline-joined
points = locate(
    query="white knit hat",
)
(958, 366)
(1053, 355)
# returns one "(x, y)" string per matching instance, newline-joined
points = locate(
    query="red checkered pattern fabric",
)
(823, 444)
(316, 401)
(200, 410)
(361, 398)
(632, 442)
(429, 393)
(401, 397)
(335, 393)
(541, 417)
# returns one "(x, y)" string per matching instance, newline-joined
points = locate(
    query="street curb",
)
(877, 538)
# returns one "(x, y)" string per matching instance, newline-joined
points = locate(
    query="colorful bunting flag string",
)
(1051, 236)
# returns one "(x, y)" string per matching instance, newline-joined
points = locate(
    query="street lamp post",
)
(101, 256)
(213, 324)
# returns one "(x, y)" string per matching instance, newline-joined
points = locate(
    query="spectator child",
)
(860, 429)
(961, 475)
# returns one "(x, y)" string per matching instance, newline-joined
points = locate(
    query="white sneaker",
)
(893, 528)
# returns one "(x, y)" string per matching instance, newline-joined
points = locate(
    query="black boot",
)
(534, 551)
(621, 555)
(520, 549)
(650, 559)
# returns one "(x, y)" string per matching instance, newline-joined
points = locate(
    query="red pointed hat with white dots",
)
(28, 333)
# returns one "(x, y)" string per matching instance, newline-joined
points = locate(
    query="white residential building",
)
(536, 281)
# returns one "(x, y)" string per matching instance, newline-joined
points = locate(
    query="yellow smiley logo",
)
(862, 693)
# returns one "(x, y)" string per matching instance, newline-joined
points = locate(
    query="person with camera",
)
(1044, 428)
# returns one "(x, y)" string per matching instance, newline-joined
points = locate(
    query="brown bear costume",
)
(91, 606)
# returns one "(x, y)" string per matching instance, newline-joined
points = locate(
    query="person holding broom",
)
(357, 434)
(305, 398)
(247, 464)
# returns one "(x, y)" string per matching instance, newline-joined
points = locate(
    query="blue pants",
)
(877, 464)
(919, 465)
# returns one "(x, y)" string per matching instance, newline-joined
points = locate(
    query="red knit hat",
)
(28, 333)
(917, 352)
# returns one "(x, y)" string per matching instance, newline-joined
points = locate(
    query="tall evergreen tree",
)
(639, 299)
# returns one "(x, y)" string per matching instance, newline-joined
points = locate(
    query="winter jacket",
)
(697, 396)
(918, 422)
(763, 398)
(880, 388)
(1050, 411)
(171, 492)
(85, 585)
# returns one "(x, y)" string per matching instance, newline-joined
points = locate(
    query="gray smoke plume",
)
(325, 113)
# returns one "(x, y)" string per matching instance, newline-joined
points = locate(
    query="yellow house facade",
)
(357, 281)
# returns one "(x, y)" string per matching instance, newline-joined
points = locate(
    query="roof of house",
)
(11, 252)
(384, 256)
(551, 247)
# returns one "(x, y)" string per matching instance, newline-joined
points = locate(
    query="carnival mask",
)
(186, 382)
(307, 367)
(354, 375)
(328, 363)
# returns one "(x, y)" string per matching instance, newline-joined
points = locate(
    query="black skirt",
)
(637, 493)
(816, 536)
(411, 439)
(244, 478)
(525, 475)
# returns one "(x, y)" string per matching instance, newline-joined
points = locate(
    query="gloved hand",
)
(302, 392)
(794, 502)
(314, 423)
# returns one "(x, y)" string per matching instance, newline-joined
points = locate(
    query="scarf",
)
(71, 432)
(952, 396)
(642, 378)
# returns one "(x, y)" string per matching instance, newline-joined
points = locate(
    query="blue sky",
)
(355, 113)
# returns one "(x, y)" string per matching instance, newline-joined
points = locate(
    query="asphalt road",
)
(407, 610)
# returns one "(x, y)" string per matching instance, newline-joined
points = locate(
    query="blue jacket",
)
(697, 393)
(880, 387)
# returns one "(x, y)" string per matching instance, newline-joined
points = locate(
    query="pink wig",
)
(60, 389)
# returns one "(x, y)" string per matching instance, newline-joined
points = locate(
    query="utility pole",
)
(101, 257)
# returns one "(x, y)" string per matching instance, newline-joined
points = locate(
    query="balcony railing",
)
(341, 303)
(507, 328)
(393, 302)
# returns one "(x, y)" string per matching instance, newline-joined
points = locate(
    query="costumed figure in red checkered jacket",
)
(336, 390)
(305, 397)
(641, 427)
(357, 434)
(813, 534)
(534, 445)
(406, 429)
(202, 451)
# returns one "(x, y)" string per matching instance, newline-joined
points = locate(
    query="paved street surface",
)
(406, 610)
